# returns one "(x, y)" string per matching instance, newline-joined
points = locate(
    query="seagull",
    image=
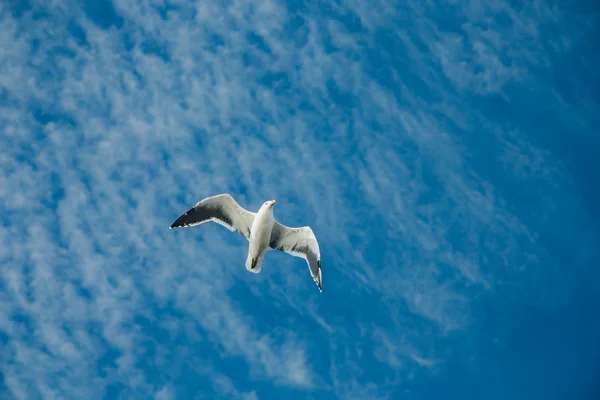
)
(261, 229)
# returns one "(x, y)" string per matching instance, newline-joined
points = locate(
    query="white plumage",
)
(261, 229)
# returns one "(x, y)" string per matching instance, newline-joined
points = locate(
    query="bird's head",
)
(269, 203)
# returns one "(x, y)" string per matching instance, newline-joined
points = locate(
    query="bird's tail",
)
(253, 264)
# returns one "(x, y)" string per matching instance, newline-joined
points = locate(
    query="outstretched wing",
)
(222, 209)
(299, 242)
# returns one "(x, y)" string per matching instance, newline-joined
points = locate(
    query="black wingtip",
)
(179, 222)
(319, 280)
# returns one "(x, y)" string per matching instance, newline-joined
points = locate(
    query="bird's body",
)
(261, 229)
(260, 237)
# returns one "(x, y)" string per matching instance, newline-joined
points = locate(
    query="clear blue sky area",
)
(446, 155)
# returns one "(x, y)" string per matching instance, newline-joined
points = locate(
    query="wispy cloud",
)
(359, 120)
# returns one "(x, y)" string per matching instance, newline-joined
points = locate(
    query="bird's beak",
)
(272, 202)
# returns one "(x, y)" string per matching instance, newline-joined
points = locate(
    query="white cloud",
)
(165, 393)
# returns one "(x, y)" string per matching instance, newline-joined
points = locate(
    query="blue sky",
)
(446, 155)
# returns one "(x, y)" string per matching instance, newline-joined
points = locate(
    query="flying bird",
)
(261, 229)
